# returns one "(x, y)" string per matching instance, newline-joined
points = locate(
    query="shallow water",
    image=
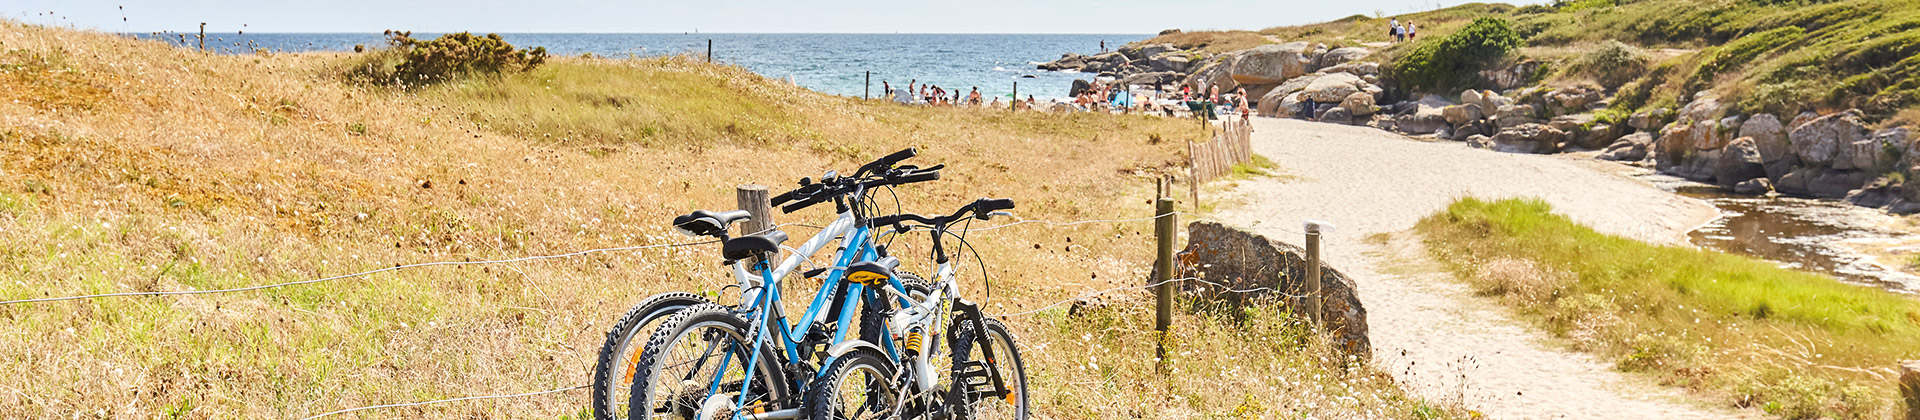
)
(1798, 233)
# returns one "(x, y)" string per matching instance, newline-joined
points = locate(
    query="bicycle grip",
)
(783, 198)
(798, 205)
(987, 205)
(917, 177)
(896, 157)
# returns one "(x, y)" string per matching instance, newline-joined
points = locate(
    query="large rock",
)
(1462, 114)
(1596, 136)
(1705, 106)
(1248, 261)
(1340, 56)
(1770, 139)
(1220, 73)
(1334, 87)
(1515, 115)
(1151, 79)
(1570, 123)
(1418, 124)
(1632, 148)
(1068, 61)
(1574, 99)
(1168, 63)
(1827, 141)
(1756, 186)
(1272, 63)
(1881, 151)
(1821, 182)
(1337, 115)
(1364, 69)
(1739, 161)
(1079, 85)
(1359, 104)
(1648, 120)
(1137, 52)
(1270, 102)
(1529, 138)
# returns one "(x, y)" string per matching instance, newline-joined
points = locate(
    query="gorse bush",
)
(1612, 64)
(1454, 61)
(416, 62)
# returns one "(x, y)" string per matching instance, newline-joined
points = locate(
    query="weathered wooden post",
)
(753, 199)
(1910, 387)
(1163, 235)
(1016, 97)
(203, 36)
(709, 51)
(868, 94)
(1311, 304)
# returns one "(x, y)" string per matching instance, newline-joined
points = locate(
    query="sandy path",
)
(1432, 333)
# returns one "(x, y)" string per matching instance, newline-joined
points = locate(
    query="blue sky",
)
(760, 16)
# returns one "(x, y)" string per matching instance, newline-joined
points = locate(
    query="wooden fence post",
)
(709, 51)
(1163, 235)
(203, 36)
(753, 198)
(1311, 303)
(1910, 387)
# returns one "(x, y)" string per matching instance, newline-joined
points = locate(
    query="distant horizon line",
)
(660, 33)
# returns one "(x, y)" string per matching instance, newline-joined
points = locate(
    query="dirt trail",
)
(1431, 332)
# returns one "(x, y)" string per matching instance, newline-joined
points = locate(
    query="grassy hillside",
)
(1793, 344)
(132, 166)
(1774, 56)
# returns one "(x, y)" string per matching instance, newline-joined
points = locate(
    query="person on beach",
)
(974, 98)
(1029, 102)
(886, 90)
(996, 102)
(1241, 103)
(1412, 31)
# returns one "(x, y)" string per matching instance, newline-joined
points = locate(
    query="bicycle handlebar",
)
(982, 209)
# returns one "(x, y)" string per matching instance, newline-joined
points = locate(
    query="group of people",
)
(1402, 33)
(931, 94)
(1214, 103)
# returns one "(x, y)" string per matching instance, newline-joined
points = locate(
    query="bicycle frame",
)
(761, 295)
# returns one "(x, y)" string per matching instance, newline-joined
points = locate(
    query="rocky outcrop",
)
(1739, 162)
(1334, 87)
(1632, 148)
(1218, 73)
(1273, 63)
(1462, 114)
(1828, 141)
(1648, 120)
(1339, 56)
(1770, 139)
(1359, 104)
(1820, 182)
(1529, 138)
(1245, 260)
(1170, 62)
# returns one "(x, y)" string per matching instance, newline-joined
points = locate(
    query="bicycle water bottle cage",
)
(706, 223)
(748, 246)
(873, 273)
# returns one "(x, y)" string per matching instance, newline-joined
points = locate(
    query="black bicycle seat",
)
(707, 223)
(746, 246)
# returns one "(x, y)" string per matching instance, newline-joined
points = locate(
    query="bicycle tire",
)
(617, 354)
(687, 394)
(1013, 372)
(825, 401)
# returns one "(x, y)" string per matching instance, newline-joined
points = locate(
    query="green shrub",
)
(1454, 61)
(1745, 49)
(415, 62)
(1612, 64)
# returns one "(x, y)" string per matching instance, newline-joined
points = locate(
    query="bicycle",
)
(672, 376)
(979, 381)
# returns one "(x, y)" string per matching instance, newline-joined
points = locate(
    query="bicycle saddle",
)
(746, 246)
(872, 273)
(706, 223)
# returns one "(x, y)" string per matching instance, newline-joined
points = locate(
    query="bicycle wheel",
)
(701, 348)
(973, 387)
(613, 373)
(858, 385)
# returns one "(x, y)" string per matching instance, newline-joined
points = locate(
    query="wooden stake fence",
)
(1215, 158)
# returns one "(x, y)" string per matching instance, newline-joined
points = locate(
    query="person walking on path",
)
(1393, 30)
(1412, 31)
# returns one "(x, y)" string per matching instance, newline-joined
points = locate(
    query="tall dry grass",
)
(168, 169)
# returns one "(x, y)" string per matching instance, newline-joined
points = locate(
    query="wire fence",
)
(575, 254)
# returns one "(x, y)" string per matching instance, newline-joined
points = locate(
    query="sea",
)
(837, 64)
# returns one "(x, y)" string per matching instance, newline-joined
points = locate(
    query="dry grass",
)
(1211, 42)
(186, 171)
(1743, 331)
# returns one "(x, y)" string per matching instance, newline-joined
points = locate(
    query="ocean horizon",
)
(833, 63)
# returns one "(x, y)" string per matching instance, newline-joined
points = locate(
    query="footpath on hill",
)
(1431, 332)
